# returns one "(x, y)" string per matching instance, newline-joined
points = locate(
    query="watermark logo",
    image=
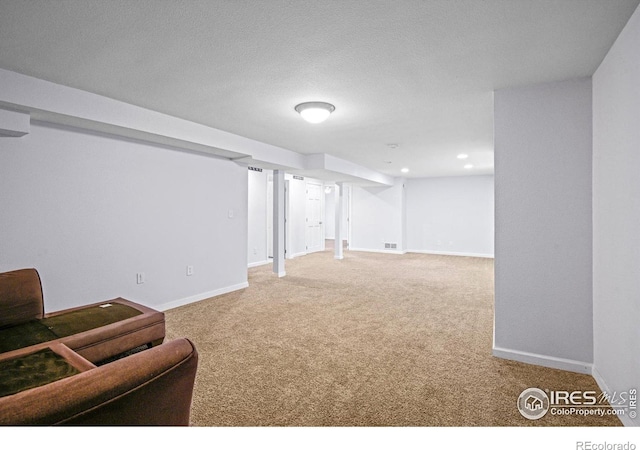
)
(627, 400)
(533, 403)
(588, 445)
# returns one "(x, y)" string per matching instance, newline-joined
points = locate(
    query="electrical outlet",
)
(189, 271)
(140, 277)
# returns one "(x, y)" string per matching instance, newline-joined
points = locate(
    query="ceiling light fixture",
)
(462, 156)
(468, 166)
(404, 170)
(315, 112)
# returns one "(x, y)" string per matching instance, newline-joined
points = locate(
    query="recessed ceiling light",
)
(393, 145)
(315, 112)
(404, 170)
(462, 156)
(468, 166)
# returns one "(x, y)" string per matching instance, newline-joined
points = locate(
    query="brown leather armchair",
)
(55, 369)
(152, 387)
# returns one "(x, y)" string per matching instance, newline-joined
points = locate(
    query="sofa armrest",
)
(153, 387)
(20, 297)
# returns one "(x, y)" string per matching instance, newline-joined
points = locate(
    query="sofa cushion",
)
(33, 370)
(145, 326)
(24, 335)
(81, 320)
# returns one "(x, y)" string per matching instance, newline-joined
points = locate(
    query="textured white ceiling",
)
(419, 74)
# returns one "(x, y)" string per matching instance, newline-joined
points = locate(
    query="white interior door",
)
(314, 218)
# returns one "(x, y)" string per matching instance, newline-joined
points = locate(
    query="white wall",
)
(377, 217)
(543, 277)
(450, 215)
(257, 218)
(616, 215)
(90, 210)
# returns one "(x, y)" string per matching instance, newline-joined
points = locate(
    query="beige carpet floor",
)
(371, 340)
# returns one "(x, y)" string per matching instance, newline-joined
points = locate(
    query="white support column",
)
(338, 231)
(278, 223)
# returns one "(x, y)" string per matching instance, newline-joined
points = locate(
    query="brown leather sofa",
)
(96, 331)
(55, 368)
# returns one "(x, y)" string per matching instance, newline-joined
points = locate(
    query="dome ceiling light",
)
(315, 112)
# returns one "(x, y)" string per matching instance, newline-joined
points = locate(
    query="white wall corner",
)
(616, 216)
(625, 418)
(547, 272)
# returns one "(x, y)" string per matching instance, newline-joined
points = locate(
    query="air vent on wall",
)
(390, 245)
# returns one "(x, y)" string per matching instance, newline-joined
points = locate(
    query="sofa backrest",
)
(20, 297)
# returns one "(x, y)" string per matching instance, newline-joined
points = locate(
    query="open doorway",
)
(309, 216)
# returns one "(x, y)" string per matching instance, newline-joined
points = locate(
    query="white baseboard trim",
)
(203, 296)
(426, 252)
(431, 252)
(259, 263)
(543, 360)
(295, 255)
(370, 250)
(604, 387)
